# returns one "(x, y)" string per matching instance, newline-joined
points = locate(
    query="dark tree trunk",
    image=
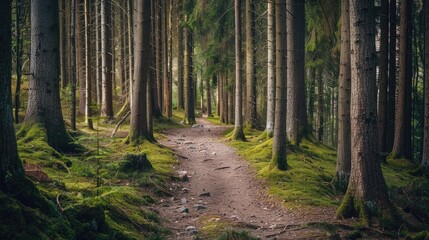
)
(344, 138)
(19, 52)
(44, 106)
(10, 165)
(189, 76)
(142, 31)
(366, 195)
(383, 78)
(238, 133)
(296, 117)
(251, 113)
(73, 63)
(425, 156)
(311, 96)
(63, 42)
(278, 159)
(401, 137)
(391, 98)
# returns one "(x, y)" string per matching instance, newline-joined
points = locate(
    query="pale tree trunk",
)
(400, 140)
(170, 60)
(271, 71)
(208, 93)
(238, 133)
(279, 159)
(122, 47)
(130, 51)
(366, 195)
(80, 54)
(296, 117)
(189, 76)
(63, 42)
(311, 97)
(88, 80)
(44, 106)
(73, 63)
(106, 61)
(425, 158)
(391, 102)
(202, 92)
(165, 50)
(320, 105)
(344, 139)
(250, 65)
(383, 78)
(179, 57)
(98, 52)
(142, 30)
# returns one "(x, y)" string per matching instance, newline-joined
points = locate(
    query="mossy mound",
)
(22, 222)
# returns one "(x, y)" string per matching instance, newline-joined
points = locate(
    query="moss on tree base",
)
(278, 162)
(238, 134)
(386, 214)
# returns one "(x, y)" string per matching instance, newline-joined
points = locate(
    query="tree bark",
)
(238, 133)
(279, 159)
(44, 106)
(159, 56)
(142, 31)
(400, 140)
(98, 70)
(251, 114)
(320, 105)
(63, 42)
(106, 61)
(344, 138)
(271, 71)
(10, 164)
(391, 101)
(366, 195)
(80, 54)
(179, 57)
(165, 59)
(296, 118)
(383, 78)
(73, 63)
(425, 155)
(189, 76)
(88, 67)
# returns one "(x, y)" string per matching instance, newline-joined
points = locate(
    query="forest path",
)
(236, 197)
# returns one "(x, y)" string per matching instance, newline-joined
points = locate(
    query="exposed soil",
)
(236, 195)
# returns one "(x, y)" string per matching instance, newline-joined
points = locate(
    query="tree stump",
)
(136, 163)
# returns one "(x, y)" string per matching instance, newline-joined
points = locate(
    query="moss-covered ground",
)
(308, 182)
(95, 197)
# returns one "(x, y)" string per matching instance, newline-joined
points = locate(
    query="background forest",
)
(327, 100)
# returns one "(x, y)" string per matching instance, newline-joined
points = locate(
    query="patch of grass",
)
(215, 227)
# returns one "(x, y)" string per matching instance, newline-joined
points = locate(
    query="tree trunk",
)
(311, 98)
(73, 63)
(209, 97)
(19, 52)
(320, 105)
(165, 51)
(251, 113)
(44, 106)
(189, 76)
(400, 140)
(238, 133)
(159, 56)
(63, 42)
(278, 159)
(391, 101)
(10, 165)
(170, 60)
(106, 61)
(80, 54)
(179, 57)
(271, 71)
(130, 50)
(383, 78)
(142, 31)
(425, 155)
(98, 51)
(122, 50)
(202, 92)
(296, 118)
(366, 195)
(88, 80)
(344, 138)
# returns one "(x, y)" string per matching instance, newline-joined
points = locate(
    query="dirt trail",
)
(236, 195)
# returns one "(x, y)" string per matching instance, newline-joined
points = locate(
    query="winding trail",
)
(236, 195)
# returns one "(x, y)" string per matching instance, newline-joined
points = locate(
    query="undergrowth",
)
(96, 199)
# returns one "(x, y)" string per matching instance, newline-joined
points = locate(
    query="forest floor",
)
(222, 192)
